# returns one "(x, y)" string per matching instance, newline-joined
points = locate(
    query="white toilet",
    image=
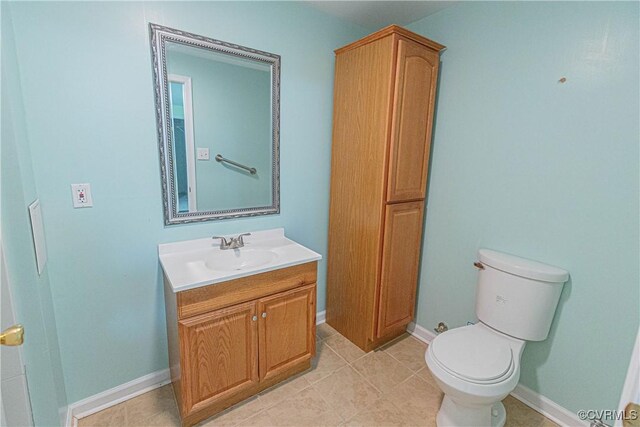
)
(479, 365)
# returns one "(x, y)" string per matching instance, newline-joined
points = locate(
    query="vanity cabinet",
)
(384, 99)
(228, 341)
(286, 330)
(221, 354)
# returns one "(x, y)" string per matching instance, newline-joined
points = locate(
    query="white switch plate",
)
(81, 194)
(203, 154)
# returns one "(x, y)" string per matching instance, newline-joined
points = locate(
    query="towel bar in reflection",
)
(252, 171)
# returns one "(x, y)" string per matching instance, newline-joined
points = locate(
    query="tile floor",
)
(388, 387)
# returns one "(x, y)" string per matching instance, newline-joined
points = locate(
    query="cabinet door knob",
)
(264, 314)
(254, 318)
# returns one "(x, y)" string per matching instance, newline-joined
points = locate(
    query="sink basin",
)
(201, 262)
(239, 259)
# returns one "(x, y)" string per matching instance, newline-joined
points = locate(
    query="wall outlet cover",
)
(81, 194)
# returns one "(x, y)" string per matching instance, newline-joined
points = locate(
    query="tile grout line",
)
(350, 364)
(267, 408)
(402, 363)
(365, 378)
(336, 351)
(275, 386)
(251, 416)
(241, 421)
(413, 373)
(330, 373)
(310, 385)
(342, 419)
(383, 395)
(381, 349)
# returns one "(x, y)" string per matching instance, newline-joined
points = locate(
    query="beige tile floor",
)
(346, 387)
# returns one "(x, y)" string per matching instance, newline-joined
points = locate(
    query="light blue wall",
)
(89, 107)
(231, 116)
(31, 294)
(549, 171)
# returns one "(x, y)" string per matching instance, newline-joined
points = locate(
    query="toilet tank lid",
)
(523, 267)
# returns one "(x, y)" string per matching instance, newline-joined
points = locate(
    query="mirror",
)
(218, 117)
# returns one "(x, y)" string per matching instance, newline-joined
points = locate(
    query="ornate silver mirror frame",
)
(159, 36)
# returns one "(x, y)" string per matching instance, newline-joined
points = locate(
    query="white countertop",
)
(185, 263)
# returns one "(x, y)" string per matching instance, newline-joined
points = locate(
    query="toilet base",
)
(498, 415)
(453, 414)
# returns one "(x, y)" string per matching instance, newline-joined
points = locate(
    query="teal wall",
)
(231, 116)
(548, 171)
(31, 294)
(89, 108)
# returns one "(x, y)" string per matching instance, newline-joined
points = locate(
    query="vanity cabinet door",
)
(287, 330)
(402, 239)
(414, 99)
(220, 354)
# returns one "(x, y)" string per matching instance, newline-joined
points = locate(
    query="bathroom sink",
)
(201, 262)
(239, 259)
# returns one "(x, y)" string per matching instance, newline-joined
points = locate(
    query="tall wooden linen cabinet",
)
(384, 96)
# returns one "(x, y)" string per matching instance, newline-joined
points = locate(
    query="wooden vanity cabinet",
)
(286, 330)
(229, 341)
(220, 354)
(384, 99)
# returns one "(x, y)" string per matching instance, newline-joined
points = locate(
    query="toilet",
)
(477, 366)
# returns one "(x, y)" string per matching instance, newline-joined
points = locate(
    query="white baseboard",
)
(62, 414)
(547, 407)
(106, 399)
(532, 399)
(111, 397)
(421, 333)
(131, 389)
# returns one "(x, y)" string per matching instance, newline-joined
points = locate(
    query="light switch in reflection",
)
(37, 229)
(203, 154)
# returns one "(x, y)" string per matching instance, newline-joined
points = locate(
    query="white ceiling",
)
(374, 15)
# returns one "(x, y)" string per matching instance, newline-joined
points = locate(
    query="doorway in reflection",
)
(183, 144)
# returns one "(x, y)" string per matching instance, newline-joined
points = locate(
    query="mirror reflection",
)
(220, 136)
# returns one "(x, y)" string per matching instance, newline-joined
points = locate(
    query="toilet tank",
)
(518, 296)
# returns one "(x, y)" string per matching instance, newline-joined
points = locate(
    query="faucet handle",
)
(239, 238)
(223, 241)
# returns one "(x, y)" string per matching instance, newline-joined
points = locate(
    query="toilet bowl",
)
(477, 366)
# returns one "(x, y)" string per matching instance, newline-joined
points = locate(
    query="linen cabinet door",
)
(220, 354)
(287, 330)
(413, 106)
(400, 258)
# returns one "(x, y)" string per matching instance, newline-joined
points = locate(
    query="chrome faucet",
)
(233, 242)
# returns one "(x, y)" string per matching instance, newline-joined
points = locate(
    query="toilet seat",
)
(474, 354)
